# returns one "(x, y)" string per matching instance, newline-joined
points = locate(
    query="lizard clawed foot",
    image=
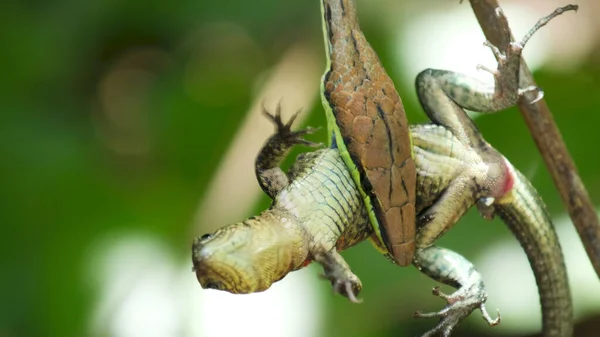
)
(532, 88)
(515, 48)
(543, 21)
(338, 272)
(460, 305)
(347, 285)
(486, 208)
(481, 67)
(509, 60)
(284, 131)
(497, 53)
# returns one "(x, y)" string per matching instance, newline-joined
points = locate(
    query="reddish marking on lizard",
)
(306, 263)
(509, 181)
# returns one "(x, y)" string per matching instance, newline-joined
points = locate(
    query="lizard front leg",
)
(302, 224)
(268, 173)
(272, 180)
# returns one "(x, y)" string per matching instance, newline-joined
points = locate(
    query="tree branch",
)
(548, 139)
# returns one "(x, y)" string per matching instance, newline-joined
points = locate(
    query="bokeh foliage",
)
(64, 186)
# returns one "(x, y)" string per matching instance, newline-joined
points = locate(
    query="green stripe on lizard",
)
(366, 120)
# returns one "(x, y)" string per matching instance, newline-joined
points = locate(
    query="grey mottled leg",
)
(457, 178)
(452, 269)
(444, 94)
(444, 213)
(269, 175)
(446, 266)
(338, 272)
(452, 180)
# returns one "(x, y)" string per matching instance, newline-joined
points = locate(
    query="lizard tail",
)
(523, 210)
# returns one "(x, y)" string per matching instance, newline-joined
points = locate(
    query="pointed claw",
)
(296, 137)
(459, 306)
(288, 125)
(486, 316)
(274, 118)
(421, 314)
(497, 53)
(540, 93)
(285, 132)
(481, 67)
(278, 109)
(433, 331)
(311, 144)
(350, 294)
(486, 210)
(343, 287)
(539, 97)
(309, 130)
(488, 201)
(267, 114)
(437, 292)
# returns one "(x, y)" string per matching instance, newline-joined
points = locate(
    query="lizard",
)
(317, 212)
(487, 179)
(368, 126)
(365, 117)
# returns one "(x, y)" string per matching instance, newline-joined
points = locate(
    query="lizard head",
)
(248, 256)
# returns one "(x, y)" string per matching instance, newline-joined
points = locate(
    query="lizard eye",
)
(205, 237)
(212, 285)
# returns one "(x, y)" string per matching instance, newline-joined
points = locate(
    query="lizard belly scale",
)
(324, 197)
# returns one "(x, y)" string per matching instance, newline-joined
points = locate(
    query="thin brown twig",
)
(549, 141)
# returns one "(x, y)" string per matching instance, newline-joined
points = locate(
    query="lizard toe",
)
(460, 304)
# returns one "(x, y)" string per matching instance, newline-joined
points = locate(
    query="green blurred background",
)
(116, 116)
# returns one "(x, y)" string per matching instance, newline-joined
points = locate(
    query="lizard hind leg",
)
(338, 272)
(509, 61)
(543, 21)
(452, 269)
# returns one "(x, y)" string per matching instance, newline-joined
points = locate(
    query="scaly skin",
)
(521, 208)
(366, 118)
(311, 219)
(483, 178)
(318, 213)
(321, 212)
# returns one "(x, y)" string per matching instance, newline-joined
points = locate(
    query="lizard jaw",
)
(246, 257)
(221, 264)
